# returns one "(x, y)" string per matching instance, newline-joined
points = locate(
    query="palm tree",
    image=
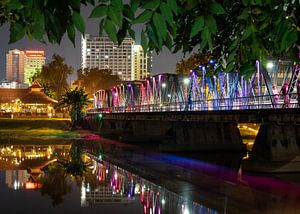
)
(75, 100)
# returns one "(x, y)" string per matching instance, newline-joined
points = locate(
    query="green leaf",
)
(78, 22)
(197, 26)
(99, 11)
(118, 4)
(143, 17)
(110, 29)
(211, 24)
(229, 67)
(131, 33)
(216, 8)
(247, 32)
(17, 32)
(244, 15)
(166, 10)
(122, 32)
(134, 4)
(14, 5)
(289, 40)
(247, 69)
(231, 57)
(173, 5)
(38, 26)
(115, 16)
(144, 41)
(258, 2)
(128, 13)
(151, 4)
(75, 4)
(204, 37)
(28, 3)
(71, 33)
(256, 11)
(152, 36)
(160, 26)
(264, 25)
(233, 45)
(168, 42)
(245, 2)
(101, 27)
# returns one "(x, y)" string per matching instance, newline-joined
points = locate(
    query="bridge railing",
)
(238, 103)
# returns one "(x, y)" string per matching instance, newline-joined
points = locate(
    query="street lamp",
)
(186, 81)
(270, 65)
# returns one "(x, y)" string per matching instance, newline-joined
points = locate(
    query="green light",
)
(100, 116)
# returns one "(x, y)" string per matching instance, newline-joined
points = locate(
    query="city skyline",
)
(165, 62)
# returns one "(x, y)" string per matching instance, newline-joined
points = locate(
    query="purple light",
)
(129, 85)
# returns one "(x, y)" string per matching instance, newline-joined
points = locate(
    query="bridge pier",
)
(276, 148)
(185, 136)
(173, 133)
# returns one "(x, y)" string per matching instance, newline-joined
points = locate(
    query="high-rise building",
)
(102, 53)
(21, 65)
(34, 61)
(15, 66)
(142, 63)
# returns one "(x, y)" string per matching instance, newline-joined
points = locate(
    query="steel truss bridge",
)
(201, 91)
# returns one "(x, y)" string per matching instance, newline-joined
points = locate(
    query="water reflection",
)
(118, 185)
(24, 163)
(156, 183)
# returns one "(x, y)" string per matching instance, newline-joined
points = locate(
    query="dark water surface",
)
(124, 179)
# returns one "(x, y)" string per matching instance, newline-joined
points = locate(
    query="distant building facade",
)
(22, 65)
(33, 63)
(15, 66)
(102, 53)
(8, 84)
(142, 63)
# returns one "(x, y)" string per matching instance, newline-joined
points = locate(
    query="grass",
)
(35, 130)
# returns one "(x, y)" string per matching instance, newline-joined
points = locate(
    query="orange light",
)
(34, 53)
(31, 185)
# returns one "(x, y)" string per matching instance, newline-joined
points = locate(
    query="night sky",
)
(163, 63)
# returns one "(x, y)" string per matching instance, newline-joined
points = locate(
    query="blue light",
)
(211, 62)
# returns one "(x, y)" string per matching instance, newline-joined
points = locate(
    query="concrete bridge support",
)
(171, 134)
(276, 148)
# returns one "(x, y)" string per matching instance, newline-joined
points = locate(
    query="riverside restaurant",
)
(30, 102)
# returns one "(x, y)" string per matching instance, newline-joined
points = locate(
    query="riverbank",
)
(35, 131)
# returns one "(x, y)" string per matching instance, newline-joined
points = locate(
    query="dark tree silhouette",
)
(53, 76)
(94, 79)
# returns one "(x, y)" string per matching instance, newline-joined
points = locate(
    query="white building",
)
(102, 53)
(142, 63)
